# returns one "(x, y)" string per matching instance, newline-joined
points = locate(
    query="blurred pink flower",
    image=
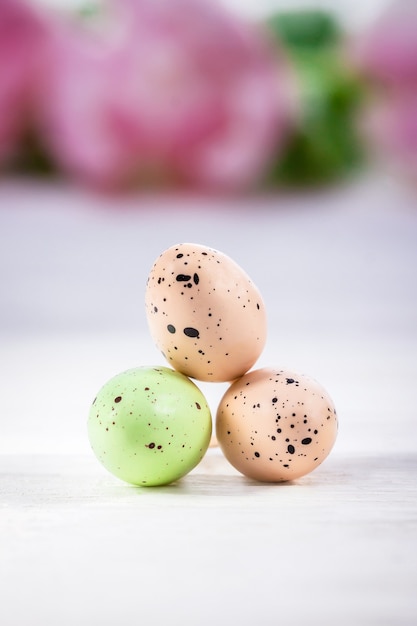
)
(387, 51)
(23, 33)
(391, 129)
(175, 90)
(386, 55)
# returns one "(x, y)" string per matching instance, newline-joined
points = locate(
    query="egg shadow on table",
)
(200, 486)
(212, 485)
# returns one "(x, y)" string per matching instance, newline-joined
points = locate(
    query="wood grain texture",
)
(338, 546)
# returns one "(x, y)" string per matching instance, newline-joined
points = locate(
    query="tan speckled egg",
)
(204, 313)
(275, 425)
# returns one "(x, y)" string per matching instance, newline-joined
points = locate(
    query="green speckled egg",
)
(149, 426)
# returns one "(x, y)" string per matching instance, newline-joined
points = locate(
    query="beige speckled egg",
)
(276, 425)
(204, 313)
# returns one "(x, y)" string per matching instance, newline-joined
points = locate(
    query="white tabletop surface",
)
(337, 269)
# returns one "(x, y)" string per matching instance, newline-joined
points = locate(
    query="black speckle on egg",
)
(191, 332)
(184, 278)
(171, 328)
(291, 449)
(306, 441)
(118, 399)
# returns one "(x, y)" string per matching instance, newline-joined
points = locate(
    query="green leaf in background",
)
(325, 145)
(32, 158)
(305, 29)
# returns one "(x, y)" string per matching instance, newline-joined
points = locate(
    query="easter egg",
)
(149, 425)
(204, 313)
(275, 425)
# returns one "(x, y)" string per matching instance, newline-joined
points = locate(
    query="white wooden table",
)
(337, 269)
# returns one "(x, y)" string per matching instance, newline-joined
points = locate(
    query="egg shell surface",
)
(149, 425)
(275, 425)
(204, 313)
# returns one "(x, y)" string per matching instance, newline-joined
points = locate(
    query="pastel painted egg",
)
(149, 426)
(204, 313)
(276, 425)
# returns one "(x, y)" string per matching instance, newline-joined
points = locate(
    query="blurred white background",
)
(354, 13)
(336, 269)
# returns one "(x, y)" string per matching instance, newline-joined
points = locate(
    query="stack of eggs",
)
(152, 425)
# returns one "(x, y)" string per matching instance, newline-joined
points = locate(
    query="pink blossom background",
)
(183, 93)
